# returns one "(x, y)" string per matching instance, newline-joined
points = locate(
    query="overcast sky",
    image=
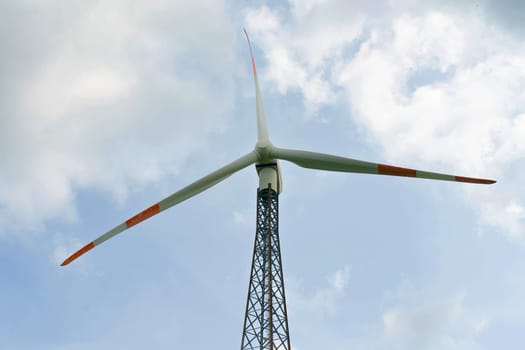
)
(107, 107)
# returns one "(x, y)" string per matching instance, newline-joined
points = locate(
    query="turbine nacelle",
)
(269, 176)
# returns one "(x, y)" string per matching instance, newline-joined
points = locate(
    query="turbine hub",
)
(264, 149)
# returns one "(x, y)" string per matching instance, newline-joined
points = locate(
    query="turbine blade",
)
(262, 130)
(168, 202)
(329, 162)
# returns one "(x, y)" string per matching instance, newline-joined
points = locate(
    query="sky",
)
(106, 107)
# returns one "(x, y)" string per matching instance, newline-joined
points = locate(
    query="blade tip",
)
(475, 180)
(251, 52)
(67, 261)
(78, 253)
(246, 33)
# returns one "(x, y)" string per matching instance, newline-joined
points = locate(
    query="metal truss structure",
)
(266, 317)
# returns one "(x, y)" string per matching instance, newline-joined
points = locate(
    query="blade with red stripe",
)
(179, 196)
(329, 162)
(262, 130)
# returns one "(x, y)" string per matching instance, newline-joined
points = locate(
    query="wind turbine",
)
(266, 320)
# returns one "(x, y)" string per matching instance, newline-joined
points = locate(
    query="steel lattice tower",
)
(266, 318)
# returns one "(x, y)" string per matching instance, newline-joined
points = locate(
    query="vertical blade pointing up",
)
(262, 131)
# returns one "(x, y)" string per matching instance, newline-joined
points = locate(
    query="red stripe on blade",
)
(78, 253)
(143, 215)
(474, 180)
(384, 169)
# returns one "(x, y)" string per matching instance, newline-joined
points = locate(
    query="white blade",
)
(168, 202)
(329, 162)
(262, 130)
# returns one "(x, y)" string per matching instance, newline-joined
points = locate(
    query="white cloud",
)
(505, 214)
(244, 217)
(61, 252)
(466, 123)
(324, 299)
(437, 88)
(99, 96)
(296, 59)
(468, 112)
(444, 324)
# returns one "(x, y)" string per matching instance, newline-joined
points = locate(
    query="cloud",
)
(441, 324)
(296, 62)
(324, 299)
(412, 317)
(468, 121)
(243, 217)
(98, 96)
(438, 87)
(61, 252)
(311, 308)
(472, 107)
